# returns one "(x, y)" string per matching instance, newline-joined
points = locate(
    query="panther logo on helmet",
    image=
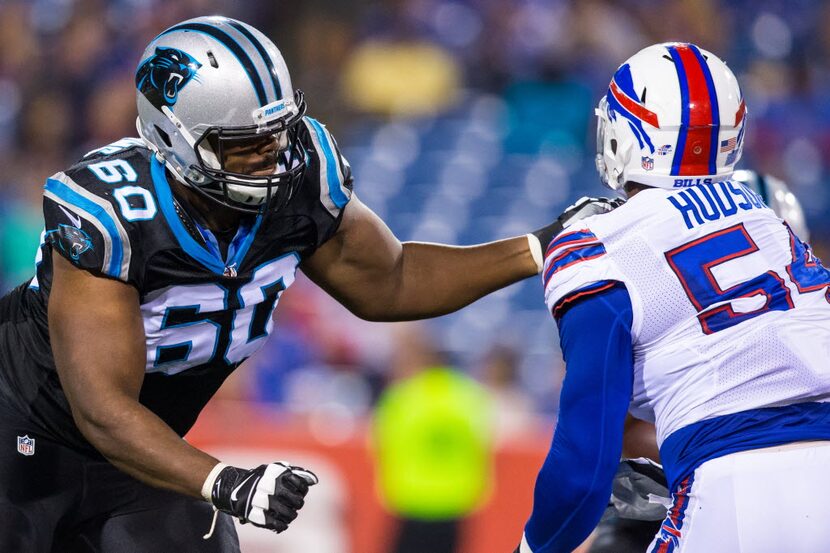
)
(162, 76)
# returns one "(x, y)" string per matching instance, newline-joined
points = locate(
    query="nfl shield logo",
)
(25, 445)
(648, 163)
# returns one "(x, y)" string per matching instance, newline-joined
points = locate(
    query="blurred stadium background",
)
(464, 121)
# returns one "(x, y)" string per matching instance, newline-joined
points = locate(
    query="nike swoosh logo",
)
(239, 487)
(72, 217)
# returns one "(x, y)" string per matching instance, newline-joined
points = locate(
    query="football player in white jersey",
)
(693, 306)
(637, 506)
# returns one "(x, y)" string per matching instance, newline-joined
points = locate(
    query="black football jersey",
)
(113, 214)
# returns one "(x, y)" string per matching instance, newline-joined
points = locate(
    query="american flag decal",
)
(728, 145)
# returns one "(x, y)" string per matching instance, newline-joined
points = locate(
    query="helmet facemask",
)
(243, 191)
(608, 157)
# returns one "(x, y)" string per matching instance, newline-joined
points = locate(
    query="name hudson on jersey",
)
(713, 201)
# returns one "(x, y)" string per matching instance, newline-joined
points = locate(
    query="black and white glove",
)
(584, 207)
(640, 491)
(268, 496)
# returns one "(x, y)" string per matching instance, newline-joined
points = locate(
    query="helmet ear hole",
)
(614, 146)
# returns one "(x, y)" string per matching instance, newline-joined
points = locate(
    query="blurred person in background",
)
(658, 300)
(432, 437)
(172, 251)
(513, 409)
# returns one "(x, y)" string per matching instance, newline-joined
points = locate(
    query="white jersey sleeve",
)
(577, 264)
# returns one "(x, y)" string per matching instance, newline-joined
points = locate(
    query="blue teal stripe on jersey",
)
(714, 147)
(230, 43)
(272, 71)
(95, 211)
(237, 254)
(187, 242)
(238, 247)
(332, 163)
(684, 112)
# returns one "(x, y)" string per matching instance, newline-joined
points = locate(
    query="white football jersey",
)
(731, 311)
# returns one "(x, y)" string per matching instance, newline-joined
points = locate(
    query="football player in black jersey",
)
(161, 264)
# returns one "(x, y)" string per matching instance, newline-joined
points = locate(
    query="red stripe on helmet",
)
(741, 113)
(695, 160)
(637, 109)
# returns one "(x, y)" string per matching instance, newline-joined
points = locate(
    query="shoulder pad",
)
(92, 210)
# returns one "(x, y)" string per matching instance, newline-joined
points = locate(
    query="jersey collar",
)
(207, 256)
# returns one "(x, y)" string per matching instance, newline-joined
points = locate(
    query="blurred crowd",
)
(530, 69)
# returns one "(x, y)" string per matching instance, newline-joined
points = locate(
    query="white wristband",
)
(536, 251)
(207, 487)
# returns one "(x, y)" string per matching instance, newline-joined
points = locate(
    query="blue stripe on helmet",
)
(230, 43)
(625, 82)
(684, 111)
(714, 147)
(272, 70)
(89, 207)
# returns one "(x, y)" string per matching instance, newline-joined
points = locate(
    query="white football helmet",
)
(673, 116)
(777, 195)
(209, 80)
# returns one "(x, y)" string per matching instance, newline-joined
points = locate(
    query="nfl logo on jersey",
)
(648, 163)
(25, 445)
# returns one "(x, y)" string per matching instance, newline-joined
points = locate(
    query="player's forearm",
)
(139, 443)
(435, 279)
(574, 483)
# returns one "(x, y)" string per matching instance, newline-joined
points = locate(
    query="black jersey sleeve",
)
(329, 173)
(90, 213)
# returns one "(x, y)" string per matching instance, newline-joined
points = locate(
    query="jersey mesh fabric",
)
(682, 373)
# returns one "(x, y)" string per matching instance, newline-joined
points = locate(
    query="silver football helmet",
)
(211, 80)
(777, 195)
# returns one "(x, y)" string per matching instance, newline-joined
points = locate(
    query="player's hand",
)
(584, 207)
(640, 490)
(268, 496)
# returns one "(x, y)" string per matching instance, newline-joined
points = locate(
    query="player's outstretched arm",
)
(97, 339)
(367, 269)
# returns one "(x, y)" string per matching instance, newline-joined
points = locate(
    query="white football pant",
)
(772, 500)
